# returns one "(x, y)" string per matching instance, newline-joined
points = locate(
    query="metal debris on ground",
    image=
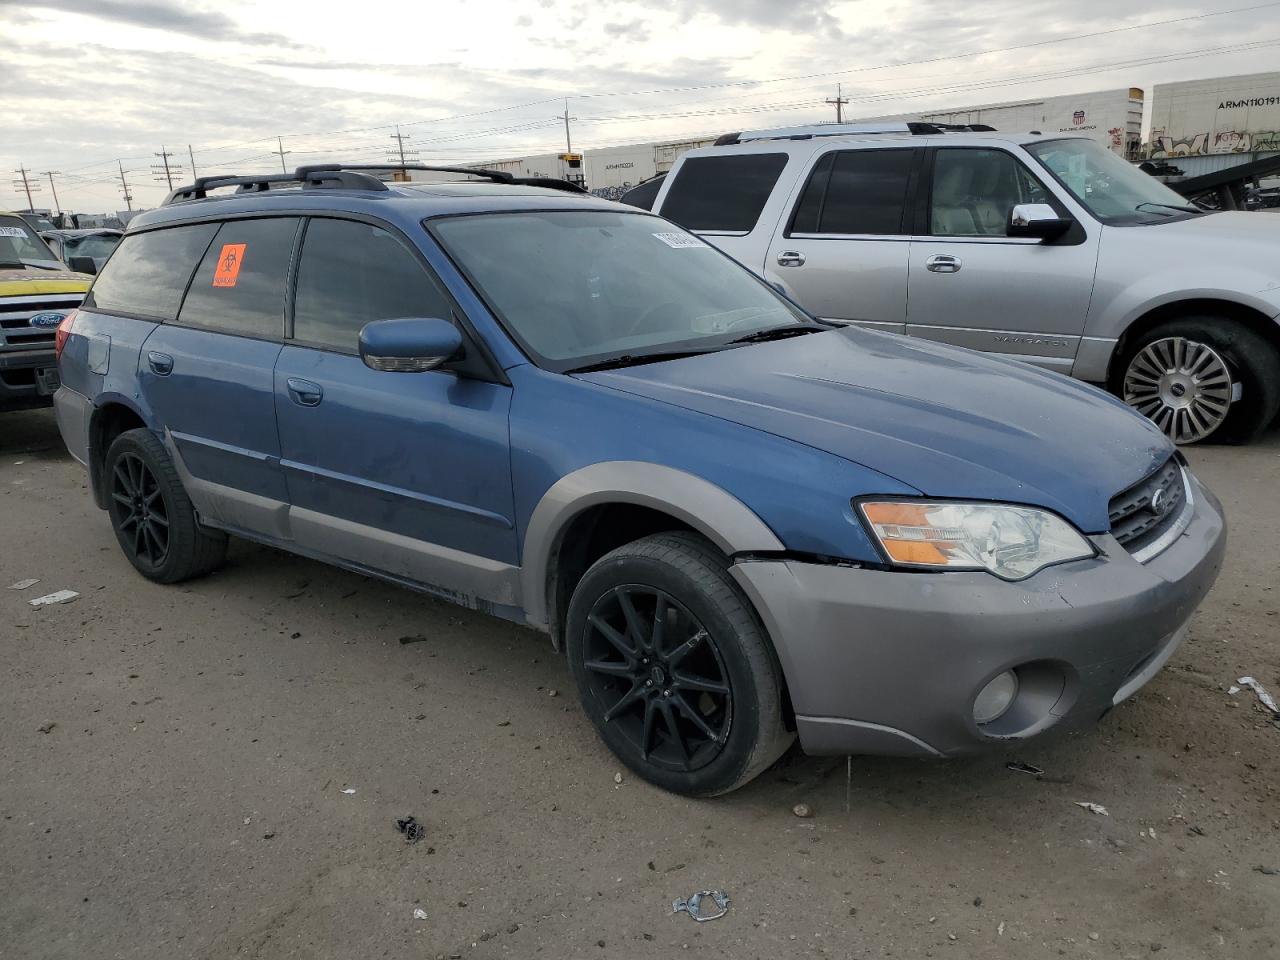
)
(348, 790)
(1019, 766)
(802, 810)
(419, 913)
(413, 830)
(23, 584)
(59, 596)
(46, 726)
(1264, 698)
(693, 905)
(1097, 808)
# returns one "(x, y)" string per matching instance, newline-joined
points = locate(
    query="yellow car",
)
(36, 292)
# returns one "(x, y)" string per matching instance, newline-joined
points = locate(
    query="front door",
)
(207, 374)
(843, 253)
(406, 474)
(973, 286)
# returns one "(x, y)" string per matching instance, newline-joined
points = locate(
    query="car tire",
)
(709, 638)
(151, 514)
(1250, 362)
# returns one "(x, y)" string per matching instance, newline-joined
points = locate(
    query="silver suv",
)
(1046, 249)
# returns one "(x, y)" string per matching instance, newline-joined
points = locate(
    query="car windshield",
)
(576, 288)
(96, 245)
(19, 246)
(1113, 190)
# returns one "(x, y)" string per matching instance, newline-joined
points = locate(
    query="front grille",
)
(16, 332)
(1141, 514)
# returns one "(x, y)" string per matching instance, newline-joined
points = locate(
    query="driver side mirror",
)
(1037, 220)
(409, 345)
(82, 265)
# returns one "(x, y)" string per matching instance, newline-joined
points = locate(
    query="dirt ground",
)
(228, 758)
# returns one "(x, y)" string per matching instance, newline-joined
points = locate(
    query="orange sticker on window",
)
(228, 268)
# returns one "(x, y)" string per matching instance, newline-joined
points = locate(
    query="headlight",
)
(1011, 542)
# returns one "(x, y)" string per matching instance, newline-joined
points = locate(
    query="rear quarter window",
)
(149, 271)
(723, 194)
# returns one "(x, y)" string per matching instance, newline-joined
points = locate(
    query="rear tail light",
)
(64, 331)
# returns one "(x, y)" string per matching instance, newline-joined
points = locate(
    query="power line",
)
(839, 102)
(27, 186)
(281, 151)
(124, 187)
(164, 169)
(51, 174)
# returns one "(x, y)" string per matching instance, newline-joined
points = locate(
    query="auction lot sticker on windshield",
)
(679, 240)
(12, 232)
(228, 269)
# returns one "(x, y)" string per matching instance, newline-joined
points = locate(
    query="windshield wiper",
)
(636, 359)
(780, 333)
(1168, 206)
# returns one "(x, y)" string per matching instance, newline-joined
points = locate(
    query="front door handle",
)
(304, 392)
(791, 258)
(943, 263)
(161, 364)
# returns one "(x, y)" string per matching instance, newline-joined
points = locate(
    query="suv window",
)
(149, 271)
(723, 193)
(239, 285)
(856, 191)
(974, 190)
(351, 273)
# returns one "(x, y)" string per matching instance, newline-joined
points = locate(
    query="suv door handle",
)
(304, 392)
(943, 263)
(161, 364)
(790, 258)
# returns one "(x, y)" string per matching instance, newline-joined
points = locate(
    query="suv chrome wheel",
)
(1184, 386)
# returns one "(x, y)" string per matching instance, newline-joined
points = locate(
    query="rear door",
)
(843, 252)
(208, 375)
(403, 473)
(973, 285)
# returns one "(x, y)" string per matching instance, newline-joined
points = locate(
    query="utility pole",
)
(124, 187)
(568, 144)
(280, 153)
(192, 154)
(50, 174)
(165, 169)
(398, 149)
(839, 103)
(26, 185)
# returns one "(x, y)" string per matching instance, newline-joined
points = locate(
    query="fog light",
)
(995, 698)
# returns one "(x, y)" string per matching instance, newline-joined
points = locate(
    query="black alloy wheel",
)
(139, 510)
(658, 677)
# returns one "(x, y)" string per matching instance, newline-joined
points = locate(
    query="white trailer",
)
(1221, 116)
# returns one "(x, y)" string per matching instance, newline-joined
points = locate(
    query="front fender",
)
(722, 518)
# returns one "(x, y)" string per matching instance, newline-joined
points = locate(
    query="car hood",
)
(32, 281)
(946, 421)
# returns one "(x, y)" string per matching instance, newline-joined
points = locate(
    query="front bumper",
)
(890, 662)
(28, 378)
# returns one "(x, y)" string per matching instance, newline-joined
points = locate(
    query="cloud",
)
(634, 30)
(167, 16)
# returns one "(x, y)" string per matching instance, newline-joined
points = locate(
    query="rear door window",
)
(239, 286)
(149, 271)
(723, 194)
(856, 192)
(351, 273)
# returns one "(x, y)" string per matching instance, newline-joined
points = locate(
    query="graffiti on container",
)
(610, 193)
(1226, 141)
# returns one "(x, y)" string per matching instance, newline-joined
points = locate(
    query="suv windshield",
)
(1113, 190)
(576, 288)
(19, 246)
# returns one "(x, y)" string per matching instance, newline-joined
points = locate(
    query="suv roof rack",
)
(347, 175)
(917, 128)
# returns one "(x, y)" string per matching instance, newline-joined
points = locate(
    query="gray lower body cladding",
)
(883, 662)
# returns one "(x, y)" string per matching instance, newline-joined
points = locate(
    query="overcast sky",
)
(88, 82)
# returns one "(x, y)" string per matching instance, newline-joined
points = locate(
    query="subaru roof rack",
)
(497, 176)
(310, 178)
(917, 128)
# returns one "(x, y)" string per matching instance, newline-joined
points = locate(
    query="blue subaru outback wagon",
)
(741, 525)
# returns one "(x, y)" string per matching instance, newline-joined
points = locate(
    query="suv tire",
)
(691, 699)
(152, 515)
(1203, 345)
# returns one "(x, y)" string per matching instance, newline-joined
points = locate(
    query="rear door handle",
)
(304, 392)
(790, 258)
(161, 363)
(943, 263)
